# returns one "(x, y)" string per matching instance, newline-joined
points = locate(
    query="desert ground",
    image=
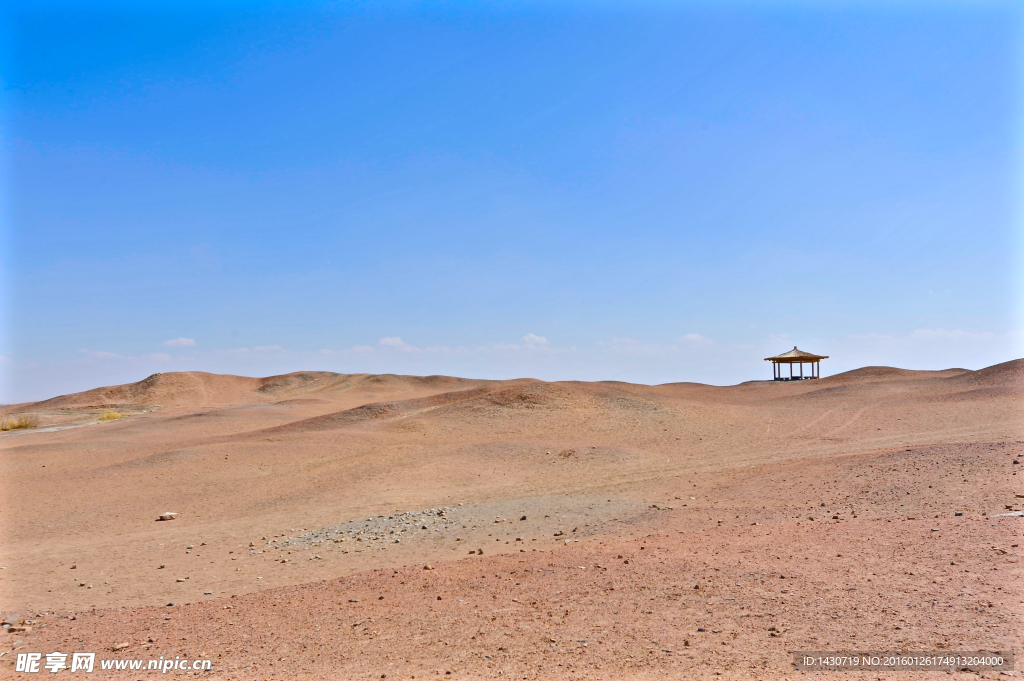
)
(336, 526)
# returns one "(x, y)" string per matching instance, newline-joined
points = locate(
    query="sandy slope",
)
(811, 515)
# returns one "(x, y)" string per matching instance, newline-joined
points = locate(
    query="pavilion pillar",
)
(801, 371)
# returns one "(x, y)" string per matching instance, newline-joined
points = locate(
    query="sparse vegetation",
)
(111, 415)
(18, 422)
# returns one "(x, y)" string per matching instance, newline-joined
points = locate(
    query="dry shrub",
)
(19, 422)
(111, 415)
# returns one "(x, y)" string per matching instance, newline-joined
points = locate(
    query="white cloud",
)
(180, 343)
(160, 357)
(397, 343)
(629, 346)
(100, 354)
(359, 349)
(695, 338)
(531, 343)
(929, 348)
(936, 336)
(953, 335)
(258, 355)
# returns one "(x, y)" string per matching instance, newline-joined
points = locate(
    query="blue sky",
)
(636, 191)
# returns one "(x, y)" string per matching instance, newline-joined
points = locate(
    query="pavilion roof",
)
(795, 355)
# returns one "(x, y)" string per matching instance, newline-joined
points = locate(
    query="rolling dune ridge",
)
(360, 526)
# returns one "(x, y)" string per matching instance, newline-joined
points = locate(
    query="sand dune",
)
(198, 389)
(878, 374)
(191, 388)
(309, 503)
(1010, 374)
(201, 389)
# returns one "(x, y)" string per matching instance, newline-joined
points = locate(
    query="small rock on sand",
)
(169, 515)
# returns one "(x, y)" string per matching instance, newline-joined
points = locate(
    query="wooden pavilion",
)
(796, 356)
